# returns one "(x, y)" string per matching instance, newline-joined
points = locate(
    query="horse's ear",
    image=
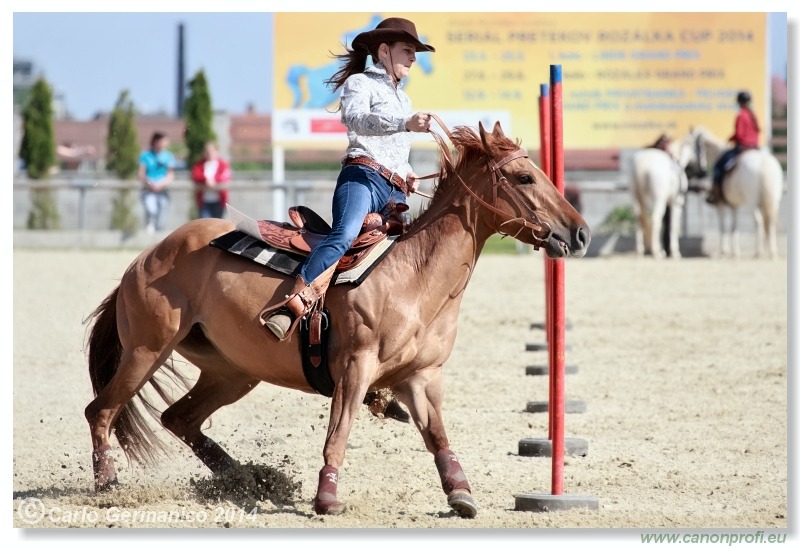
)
(486, 139)
(489, 139)
(497, 131)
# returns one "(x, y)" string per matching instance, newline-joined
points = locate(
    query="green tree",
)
(198, 116)
(122, 158)
(122, 143)
(38, 151)
(44, 210)
(123, 217)
(38, 147)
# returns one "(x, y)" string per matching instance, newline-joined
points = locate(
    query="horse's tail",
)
(630, 171)
(635, 182)
(772, 183)
(135, 436)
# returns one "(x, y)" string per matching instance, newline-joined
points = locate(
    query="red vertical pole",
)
(545, 160)
(556, 348)
(545, 150)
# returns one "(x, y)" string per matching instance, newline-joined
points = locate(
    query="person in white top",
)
(375, 171)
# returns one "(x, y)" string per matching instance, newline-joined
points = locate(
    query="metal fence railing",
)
(85, 201)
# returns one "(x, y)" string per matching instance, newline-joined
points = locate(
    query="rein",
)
(700, 152)
(494, 169)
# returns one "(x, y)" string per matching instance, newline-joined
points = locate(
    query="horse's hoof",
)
(462, 503)
(395, 411)
(106, 486)
(328, 507)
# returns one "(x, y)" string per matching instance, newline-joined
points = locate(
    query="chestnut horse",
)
(394, 331)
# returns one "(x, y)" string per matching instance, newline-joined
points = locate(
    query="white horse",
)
(755, 185)
(658, 180)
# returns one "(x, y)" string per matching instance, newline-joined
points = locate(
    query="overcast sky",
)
(89, 58)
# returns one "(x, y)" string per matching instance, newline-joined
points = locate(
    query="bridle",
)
(700, 151)
(697, 167)
(499, 181)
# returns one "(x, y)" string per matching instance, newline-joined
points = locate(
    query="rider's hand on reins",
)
(419, 122)
(412, 181)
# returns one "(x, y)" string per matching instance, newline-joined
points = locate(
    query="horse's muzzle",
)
(576, 245)
(581, 237)
(695, 172)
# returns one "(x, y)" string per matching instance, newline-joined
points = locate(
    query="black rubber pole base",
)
(542, 346)
(544, 370)
(571, 406)
(530, 502)
(573, 446)
(543, 326)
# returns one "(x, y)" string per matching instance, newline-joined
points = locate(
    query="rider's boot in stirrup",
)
(281, 319)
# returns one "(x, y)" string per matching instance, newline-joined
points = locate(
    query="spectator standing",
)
(211, 175)
(156, 172)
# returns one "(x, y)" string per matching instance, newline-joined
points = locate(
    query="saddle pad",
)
(241, 244)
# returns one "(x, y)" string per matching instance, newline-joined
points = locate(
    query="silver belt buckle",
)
(398, 177)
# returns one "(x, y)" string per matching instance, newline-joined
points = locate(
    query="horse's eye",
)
(526, 179)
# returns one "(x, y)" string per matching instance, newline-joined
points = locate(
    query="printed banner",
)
(627, 77)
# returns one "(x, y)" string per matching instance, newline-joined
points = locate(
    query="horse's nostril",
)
(582, 237)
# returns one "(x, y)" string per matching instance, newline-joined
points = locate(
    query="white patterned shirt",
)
(375, 113)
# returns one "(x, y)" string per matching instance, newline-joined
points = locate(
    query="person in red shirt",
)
(744, 137)
(211, 175)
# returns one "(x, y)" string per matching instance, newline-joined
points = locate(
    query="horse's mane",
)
(714, 146)
(708, 136)
(469, 147)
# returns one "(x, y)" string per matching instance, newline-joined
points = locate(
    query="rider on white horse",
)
(744, 137)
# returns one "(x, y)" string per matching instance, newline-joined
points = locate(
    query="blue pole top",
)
(555, 74)
(543, 90)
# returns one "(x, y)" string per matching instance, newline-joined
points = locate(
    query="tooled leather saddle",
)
(308, 230)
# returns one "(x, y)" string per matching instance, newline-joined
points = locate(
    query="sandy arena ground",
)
(683, 367)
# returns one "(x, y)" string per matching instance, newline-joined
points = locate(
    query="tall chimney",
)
(181, 76)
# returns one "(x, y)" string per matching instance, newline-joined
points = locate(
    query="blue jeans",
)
(155, 206)
(719, 166)
(359, 191)
(211, 210)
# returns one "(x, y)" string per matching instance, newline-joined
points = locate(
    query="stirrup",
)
(276, 324)
(302, 299)
(714, 195)
(285, 310)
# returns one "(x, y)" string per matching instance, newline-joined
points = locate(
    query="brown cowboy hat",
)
(393, 29)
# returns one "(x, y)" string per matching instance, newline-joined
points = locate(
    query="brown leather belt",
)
(393, 178)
